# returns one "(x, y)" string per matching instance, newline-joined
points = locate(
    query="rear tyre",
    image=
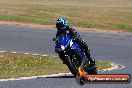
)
(92, 70)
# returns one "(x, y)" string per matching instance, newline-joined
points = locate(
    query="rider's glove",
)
(76, 37)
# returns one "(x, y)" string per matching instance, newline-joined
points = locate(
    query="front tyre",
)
(73, 63)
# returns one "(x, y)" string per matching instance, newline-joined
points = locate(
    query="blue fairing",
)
(76, 47)
(64, 40)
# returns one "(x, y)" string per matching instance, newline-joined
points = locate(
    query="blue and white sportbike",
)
(72, 53)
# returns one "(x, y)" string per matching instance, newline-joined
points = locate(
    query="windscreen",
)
(60, 38)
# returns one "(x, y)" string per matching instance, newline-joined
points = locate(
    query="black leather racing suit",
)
(77, 39)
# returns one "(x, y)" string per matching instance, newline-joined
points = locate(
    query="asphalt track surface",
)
(114, 47)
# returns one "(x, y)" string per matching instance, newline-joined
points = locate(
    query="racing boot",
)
(89, 58)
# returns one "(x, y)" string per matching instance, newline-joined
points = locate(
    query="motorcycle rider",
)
(63, 28)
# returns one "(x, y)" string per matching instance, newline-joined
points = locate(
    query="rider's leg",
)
(91, 59)
(84, 46)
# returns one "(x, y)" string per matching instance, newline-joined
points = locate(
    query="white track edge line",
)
(114, 67)
(55, 75)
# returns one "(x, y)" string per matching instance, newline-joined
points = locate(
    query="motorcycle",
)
(72, 53)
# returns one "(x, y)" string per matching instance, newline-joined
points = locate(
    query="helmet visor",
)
(59, 25)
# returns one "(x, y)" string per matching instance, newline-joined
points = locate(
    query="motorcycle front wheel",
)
(73, 63)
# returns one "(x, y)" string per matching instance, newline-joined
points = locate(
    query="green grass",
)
(103, 65)
(104, 14)
(20, 65)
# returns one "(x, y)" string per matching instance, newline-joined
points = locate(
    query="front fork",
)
(84, 62)
(82, 69)
(63, 56)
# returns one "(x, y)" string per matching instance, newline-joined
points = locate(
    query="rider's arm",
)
(73, 32)
(57, 34)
